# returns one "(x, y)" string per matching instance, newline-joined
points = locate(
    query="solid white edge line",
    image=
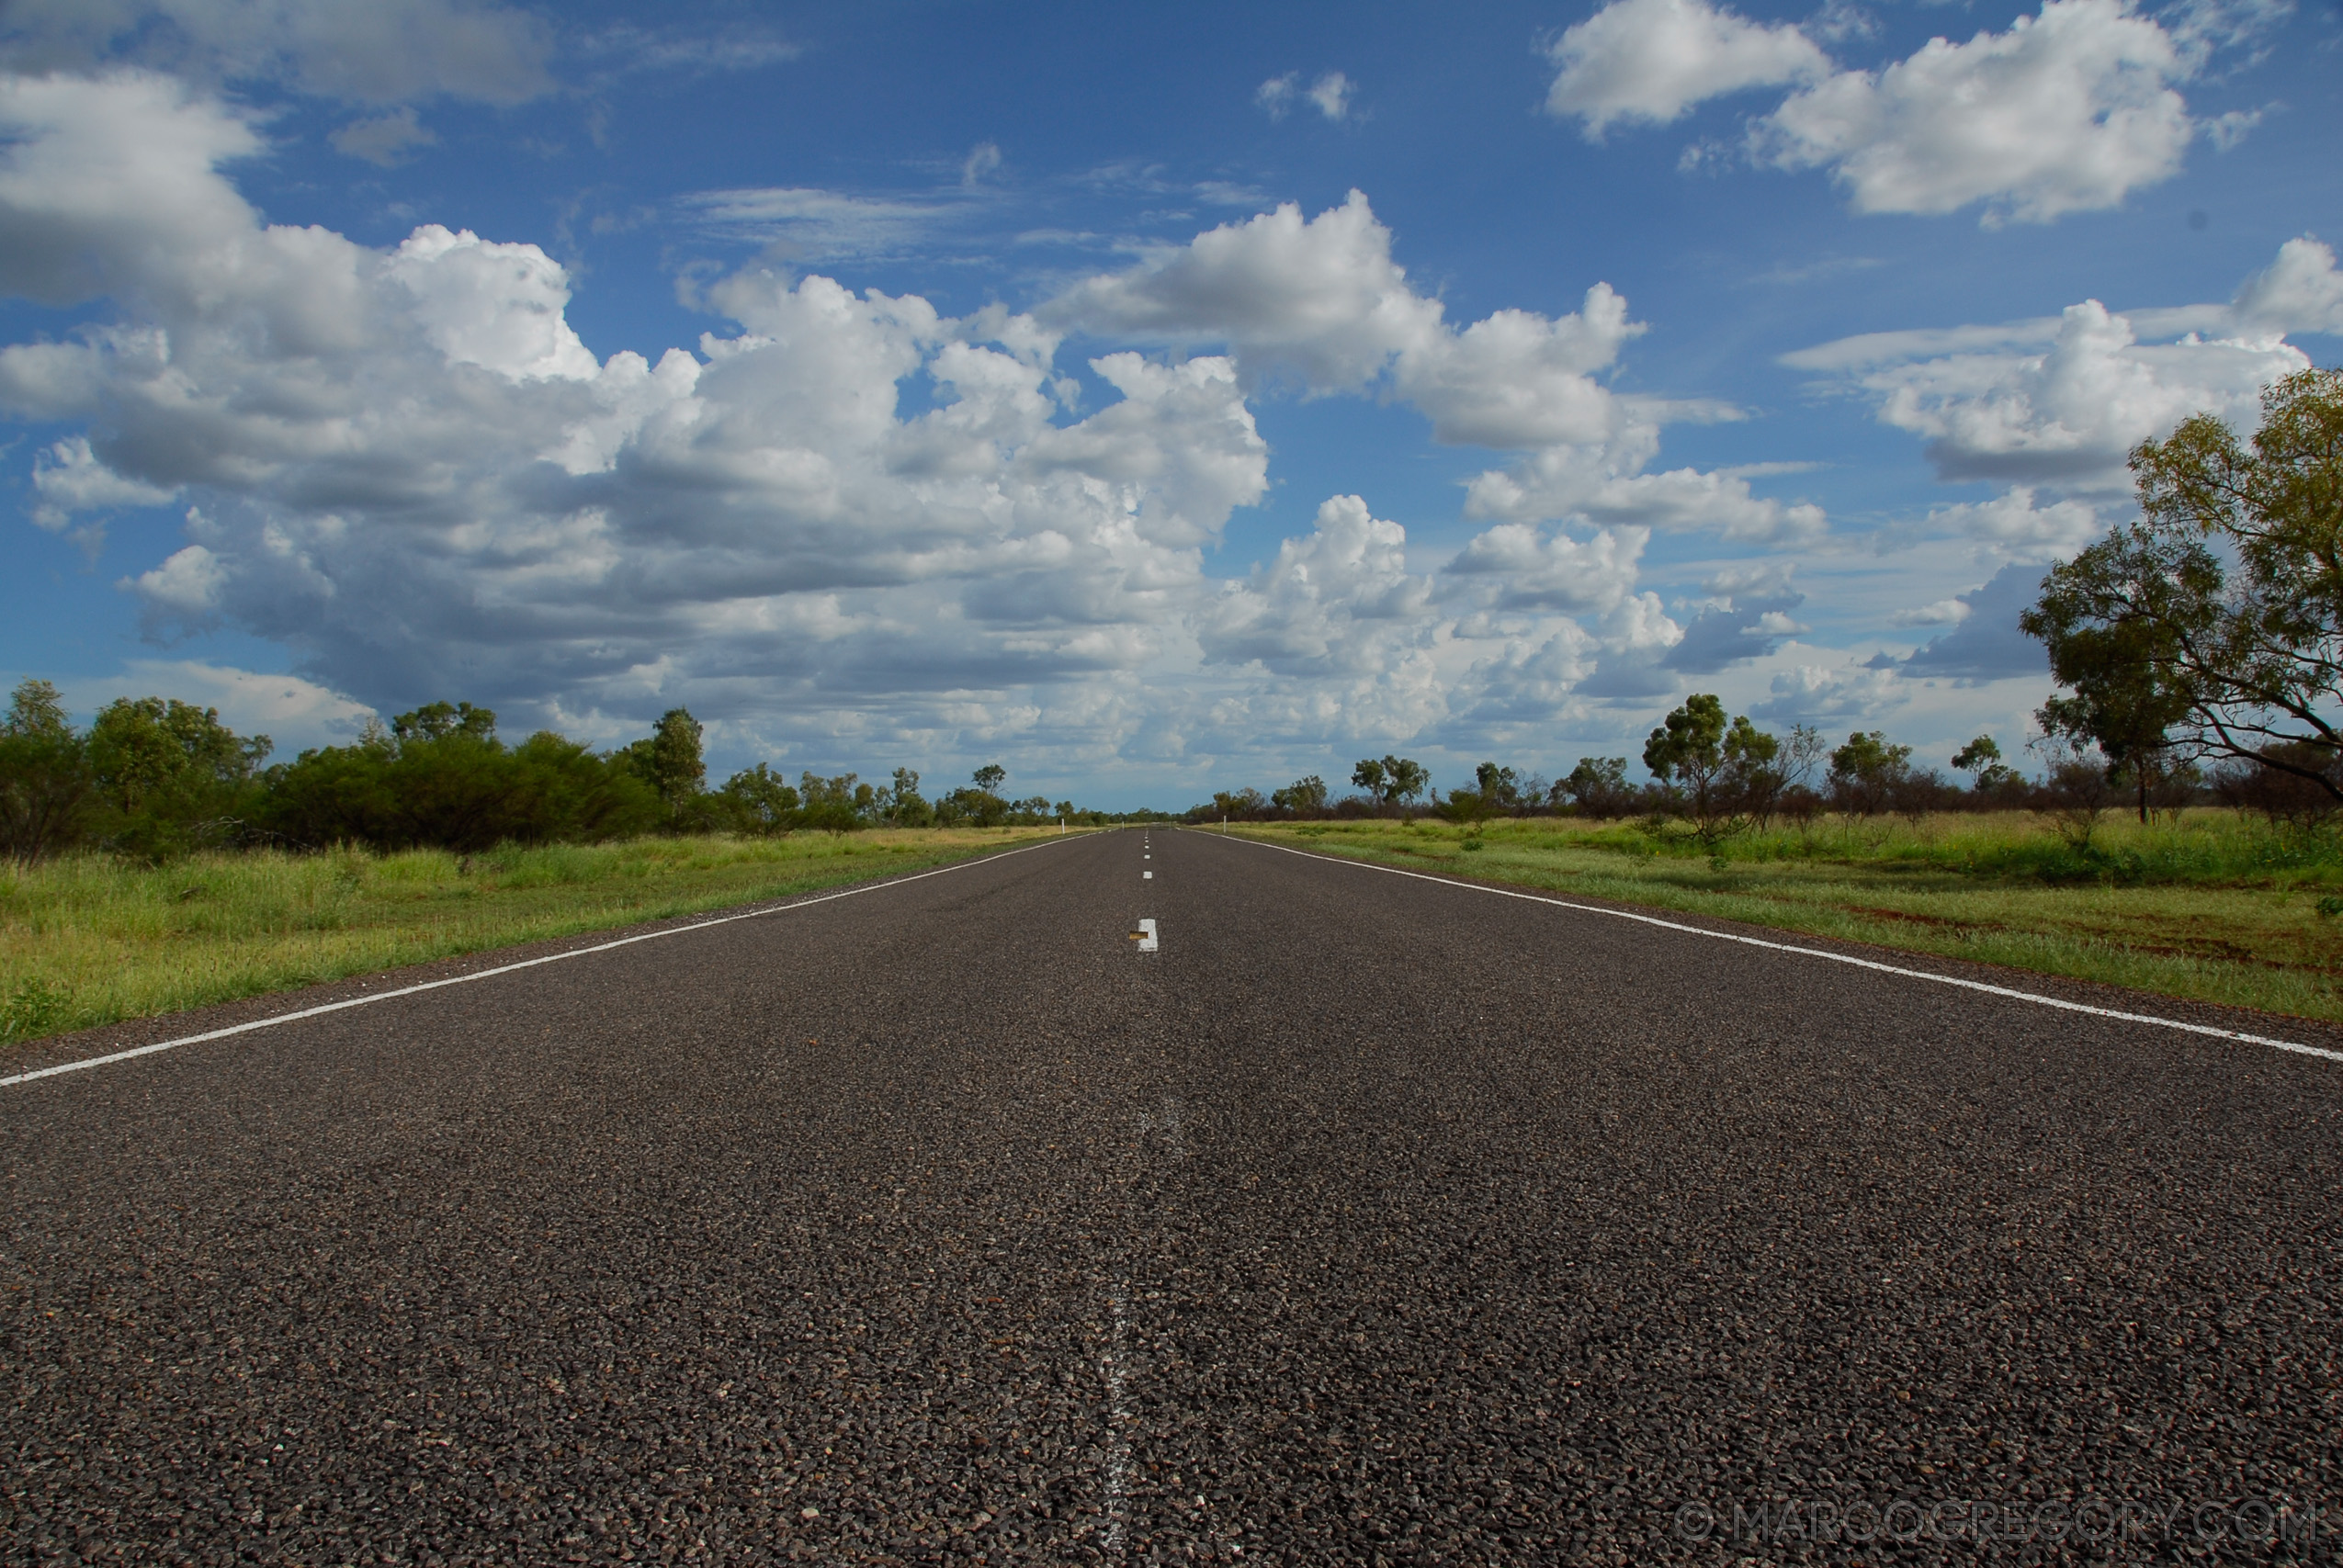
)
(88, 1062)
(2034, 997)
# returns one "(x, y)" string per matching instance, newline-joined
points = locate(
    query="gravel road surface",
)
(1362, 1220)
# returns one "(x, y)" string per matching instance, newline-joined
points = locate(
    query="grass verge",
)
(2205, 905)
(88, 940)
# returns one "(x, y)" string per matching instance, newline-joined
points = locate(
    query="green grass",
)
(89, 940)
(2207, 906)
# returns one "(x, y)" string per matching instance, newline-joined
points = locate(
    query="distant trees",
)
(440, 777)
(975, 804)
(760, 801)
(1866, 773)
(900, 803)
(1305, 796)
(154, 777)
(1390, 781)
(1981, 759)
(1598, 786)
(837, 805)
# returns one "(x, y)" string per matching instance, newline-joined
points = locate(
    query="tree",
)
(439, 777)
(976, 803)
(1304, 798)
(2219, 612)
(903, 805)
(2290, 796)
(1369, 777)
(437, 721)
(2076, 785)
(1405, 779)
(2125, 696)
(1238, 806)
(1499, 788)
(1866, 773)
(1990, 775)
(1687, 751)
(1598, 787)
(1753, 776)
(761, 800)
(45, 777)
(669, 761)
(837, 805)
(168, 773)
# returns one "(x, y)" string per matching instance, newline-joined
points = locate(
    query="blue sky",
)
(1155, 399)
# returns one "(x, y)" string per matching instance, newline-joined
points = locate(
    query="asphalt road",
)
(1366, 1220)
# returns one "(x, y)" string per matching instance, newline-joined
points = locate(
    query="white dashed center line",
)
(1146, 936)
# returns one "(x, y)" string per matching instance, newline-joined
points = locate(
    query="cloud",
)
(1986, 643)
(1331, 95)
(2302, 291)
(1524, 569)
(2012, 524)
(2060, 402)
(841, 519)
(386, 138)
(380, 52)
(1726, 635)
(1944, 612)
(1333, 601)
(1853, 695)
(628, 48)
(2067, 111)
(1653, 60)
(70, 477)
(1332, 92)
(1563, 481)
(500, 306)
(810, 225)
(1321, 302)
(187, 586)
(983, 159)
(1320, 297)
(295, 714)
(1276, 96)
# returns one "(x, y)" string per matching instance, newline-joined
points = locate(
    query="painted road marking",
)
(88, 1062)
(2034, 997)
(1147, 877)
(1146, 933)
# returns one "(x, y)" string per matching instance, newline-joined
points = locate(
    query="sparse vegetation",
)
(88, 939)
(2206, 903)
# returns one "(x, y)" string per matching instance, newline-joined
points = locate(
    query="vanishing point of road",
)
(1345, 1217)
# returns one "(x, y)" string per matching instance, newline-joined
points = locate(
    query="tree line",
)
(154, 778)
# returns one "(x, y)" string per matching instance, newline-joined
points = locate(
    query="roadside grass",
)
(89, 940)
(2203, 905)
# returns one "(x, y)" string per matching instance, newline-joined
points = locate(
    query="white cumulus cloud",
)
(2060, 402)
(1321, 299)
(1653, 60)
(2066, 111)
